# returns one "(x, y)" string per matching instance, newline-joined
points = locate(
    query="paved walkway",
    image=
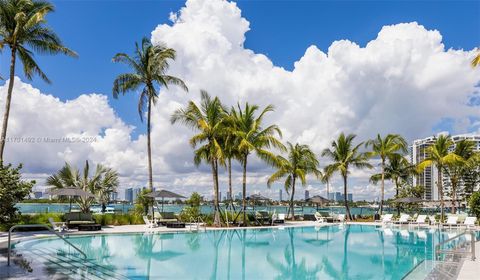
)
(471, 269)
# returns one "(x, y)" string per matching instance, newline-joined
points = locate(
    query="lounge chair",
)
(341, 218)
(149, 223)
(278, 218)
(319, 218)
(58, 226)
(386, 219)
(470, 222)
(165, 217)
(421, 220)
(451, 221)
(263, 218)
(74, 219)
(404, 219)
(432, 220)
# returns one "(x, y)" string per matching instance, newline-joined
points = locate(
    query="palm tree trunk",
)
(216, 219)
(396, 196)
(230, 179)
(8, 102)
(291, 198)
(244, 190)
(149, 147)
(347, 209)
(440, 192)
(382, 187)
(454, 197)
(328, 191)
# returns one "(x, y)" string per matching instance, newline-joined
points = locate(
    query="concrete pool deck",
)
(469, 270)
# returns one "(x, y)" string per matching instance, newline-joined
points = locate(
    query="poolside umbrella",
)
(257, 197)
(71, 192)
(317, 199)
(164, 194)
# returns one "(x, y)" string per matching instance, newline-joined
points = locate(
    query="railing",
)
(37, 226)
(472, 245)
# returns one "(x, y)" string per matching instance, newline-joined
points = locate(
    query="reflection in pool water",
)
(332, 252)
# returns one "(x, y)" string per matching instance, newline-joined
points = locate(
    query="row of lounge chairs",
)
(405, 219)
(329, 218)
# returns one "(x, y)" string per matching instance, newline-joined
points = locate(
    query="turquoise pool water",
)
(332, 252)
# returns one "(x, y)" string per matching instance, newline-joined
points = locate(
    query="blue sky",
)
(280, 29)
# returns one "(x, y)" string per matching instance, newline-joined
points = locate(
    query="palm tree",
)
(476, 60)
(149, 64)
(252, 137)
(345, 155)
(386, 148)
(301, 161)
(101, 183)
(438, 154)
(398, 170)
(23, 29)
(325, 178)
(457, 168)
(229, 146)
(208, 120)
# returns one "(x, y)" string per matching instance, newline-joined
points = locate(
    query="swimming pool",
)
(330, 252)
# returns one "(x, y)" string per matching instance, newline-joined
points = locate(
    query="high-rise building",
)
(350, 197)
(307, 194)
(136, 192)
(429, 177)
(339, 196)
(331, 196)
(114, 196)
(280, 195)
(129, 194)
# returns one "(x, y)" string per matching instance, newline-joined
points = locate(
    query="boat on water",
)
(98, 210)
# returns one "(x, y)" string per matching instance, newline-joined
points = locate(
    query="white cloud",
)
(403, 81)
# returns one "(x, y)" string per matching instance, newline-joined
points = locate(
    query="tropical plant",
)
(344, 155)
(149, 64)
(23, 29)
(13, 189)
(398, 170)
(438, 154)
(208, 119)
(474, 204)
(300, 162)
(252, 137)
(458, 168)
(101, 183)
(229, 143)
(143, 202)
(384, 148)
(325, 178)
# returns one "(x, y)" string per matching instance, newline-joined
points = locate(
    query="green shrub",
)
(474, 204)
(118, 219)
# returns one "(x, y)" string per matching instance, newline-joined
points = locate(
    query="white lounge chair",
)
(58, 226)
(280, 218)
(451, 221)
(470, 222)
(404, 219)
(341, 218)
(421, 220)
(433, 221)
(319, 218)
(149, 223)
(386, 219)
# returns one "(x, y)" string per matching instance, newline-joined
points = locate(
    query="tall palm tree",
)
(254, 138)
(438, 154)
(101, 183)
(325, 178)
(300, 162)
(398, 170)
(23, 29)
(476, 60)
(457, 168)
(345, 155)
(208, 119)
(385, 148)
(230, 148)
(149, 64)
